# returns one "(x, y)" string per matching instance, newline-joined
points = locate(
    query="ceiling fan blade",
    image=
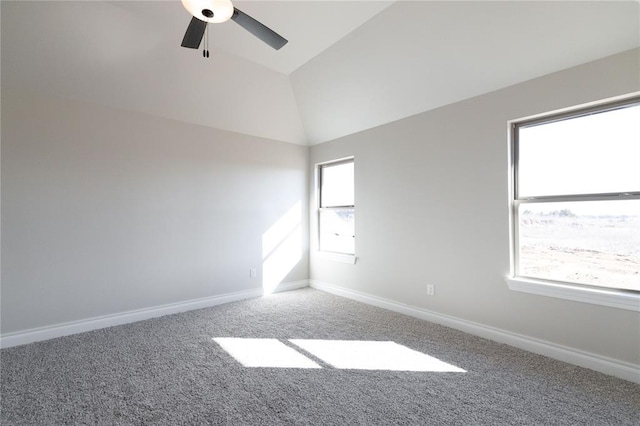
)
(258, 29)
(193, 36)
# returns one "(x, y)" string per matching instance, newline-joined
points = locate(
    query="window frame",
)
(618, 298)
(331, 255)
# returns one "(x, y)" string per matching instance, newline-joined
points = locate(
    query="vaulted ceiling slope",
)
(349, 65)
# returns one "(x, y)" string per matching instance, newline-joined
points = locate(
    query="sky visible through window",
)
(598, 153)
(337, 185)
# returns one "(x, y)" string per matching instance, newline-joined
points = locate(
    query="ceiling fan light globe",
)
(222, 9)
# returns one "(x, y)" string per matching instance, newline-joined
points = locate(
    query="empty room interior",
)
(320, 212)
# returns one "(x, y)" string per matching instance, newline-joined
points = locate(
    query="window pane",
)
(592, 154)
(337, 185)
(589, 242)
(337, 230)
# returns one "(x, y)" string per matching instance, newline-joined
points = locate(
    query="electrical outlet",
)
(431, 289)
(252, 273)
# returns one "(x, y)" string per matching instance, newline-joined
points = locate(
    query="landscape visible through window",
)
(581, 246)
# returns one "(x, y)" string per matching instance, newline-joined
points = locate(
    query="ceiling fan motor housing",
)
(213, 11)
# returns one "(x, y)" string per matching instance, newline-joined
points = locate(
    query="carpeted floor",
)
(169, 371)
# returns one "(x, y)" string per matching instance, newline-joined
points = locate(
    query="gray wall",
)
(105, 211)
(431, 208)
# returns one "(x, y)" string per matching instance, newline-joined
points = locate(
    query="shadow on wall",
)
(281, 248)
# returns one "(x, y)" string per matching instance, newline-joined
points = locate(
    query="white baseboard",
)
(602, 364)
(65, 329)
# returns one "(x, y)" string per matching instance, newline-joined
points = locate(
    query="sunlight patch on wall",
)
(340, 354)
(281, 248)
(264, 353)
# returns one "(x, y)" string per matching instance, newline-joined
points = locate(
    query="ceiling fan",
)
(217, 11)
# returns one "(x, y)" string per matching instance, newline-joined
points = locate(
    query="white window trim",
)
(604, 297)
(338, 257)
(612, 298)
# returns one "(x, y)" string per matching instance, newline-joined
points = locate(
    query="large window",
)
(576, 197)
(336, 203)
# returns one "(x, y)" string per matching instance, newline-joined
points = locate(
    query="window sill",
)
(337, 257)
(611, 298)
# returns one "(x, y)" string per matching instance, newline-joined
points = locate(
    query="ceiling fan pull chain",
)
(207, 40)
(204, 41)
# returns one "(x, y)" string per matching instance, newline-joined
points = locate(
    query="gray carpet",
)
(168, 371)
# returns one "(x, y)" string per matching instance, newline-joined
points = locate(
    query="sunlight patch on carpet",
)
(370, 355)
(264, 353)
(340, 354)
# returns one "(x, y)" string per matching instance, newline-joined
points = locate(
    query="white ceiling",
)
(310, 26)
(417, 56)
(348, 66)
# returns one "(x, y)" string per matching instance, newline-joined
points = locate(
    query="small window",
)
(576, 197)
(336, 212)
